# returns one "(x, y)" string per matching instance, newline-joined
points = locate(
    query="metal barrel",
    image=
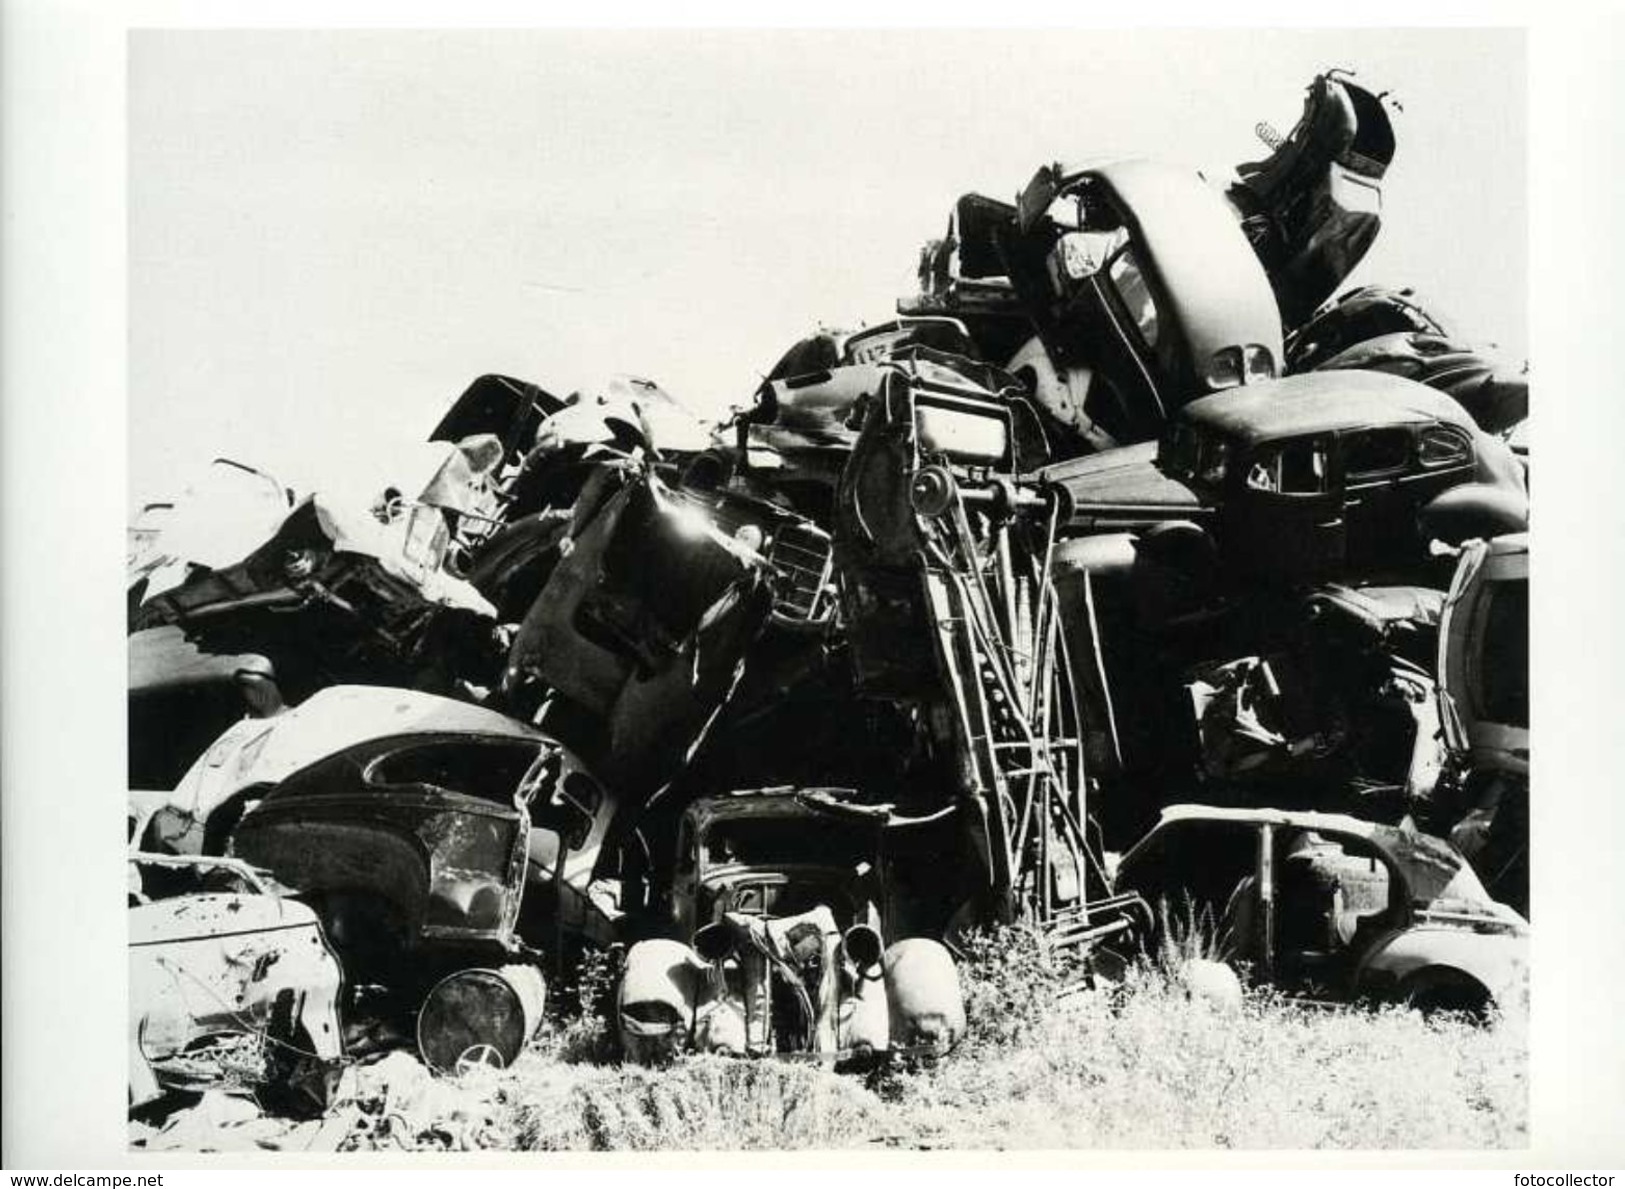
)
(480, 1017)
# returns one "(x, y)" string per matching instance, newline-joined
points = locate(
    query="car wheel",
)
(1445, 991)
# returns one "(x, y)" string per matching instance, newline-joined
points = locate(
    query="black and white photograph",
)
(868, 590)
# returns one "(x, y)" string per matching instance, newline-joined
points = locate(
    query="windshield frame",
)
(1196, 455)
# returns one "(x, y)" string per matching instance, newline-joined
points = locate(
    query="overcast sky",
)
(332, 232)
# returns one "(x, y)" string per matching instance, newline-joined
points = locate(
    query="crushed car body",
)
(1139, 282)
(779, 903)
(340, 593)
(232, 982)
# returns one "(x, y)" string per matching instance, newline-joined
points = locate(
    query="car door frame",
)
(1321, 536)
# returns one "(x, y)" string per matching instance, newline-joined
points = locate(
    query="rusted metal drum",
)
(480, 1017)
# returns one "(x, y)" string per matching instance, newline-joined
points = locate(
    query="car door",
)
(1283, 515)
(1378, 464)
(1202, 880)
(1483, 660)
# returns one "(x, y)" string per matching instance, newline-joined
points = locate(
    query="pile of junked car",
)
(1128, 576)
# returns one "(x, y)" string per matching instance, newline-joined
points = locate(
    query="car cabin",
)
(775, 852)
(1297, 478)
(1327, 904)
(1314, 476)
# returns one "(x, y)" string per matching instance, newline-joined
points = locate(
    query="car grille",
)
(800, 554)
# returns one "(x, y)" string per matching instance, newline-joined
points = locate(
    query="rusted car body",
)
(1309, 477)
(549, 443)
(231, 982)
(1342, 716)
(1319, 697)
(638, 636)
(779, 907)
(1332, 906)
(1139, 281)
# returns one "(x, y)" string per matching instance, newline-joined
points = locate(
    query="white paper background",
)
(66, 376)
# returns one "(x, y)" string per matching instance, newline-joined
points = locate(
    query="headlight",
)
(1260, 364)
(1224, 369)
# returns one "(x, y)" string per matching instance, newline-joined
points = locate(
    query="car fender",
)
(1498, 962)
(1474, 510)
(659, 997)
(926, 1004)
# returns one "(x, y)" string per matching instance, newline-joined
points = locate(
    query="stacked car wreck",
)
(1119, 539)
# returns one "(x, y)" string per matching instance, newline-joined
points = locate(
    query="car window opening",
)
(772, 841)
(1132, 290)
(1377, 452)
(1504, 684)
(490, 771)
(1298, 468)
(1439, 446)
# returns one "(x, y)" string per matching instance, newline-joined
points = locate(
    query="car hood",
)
(210, 914)
(268, 751)
(1498, 960)
(1125, 477)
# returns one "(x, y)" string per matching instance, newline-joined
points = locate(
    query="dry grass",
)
(1149, 1065)
(1045, 1064)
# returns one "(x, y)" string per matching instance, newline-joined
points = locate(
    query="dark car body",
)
(1331, 905)
(1357, 316)
(1313, 208)
(182, 697)
(1307, 476)
(414, 825)
(1494, 391)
